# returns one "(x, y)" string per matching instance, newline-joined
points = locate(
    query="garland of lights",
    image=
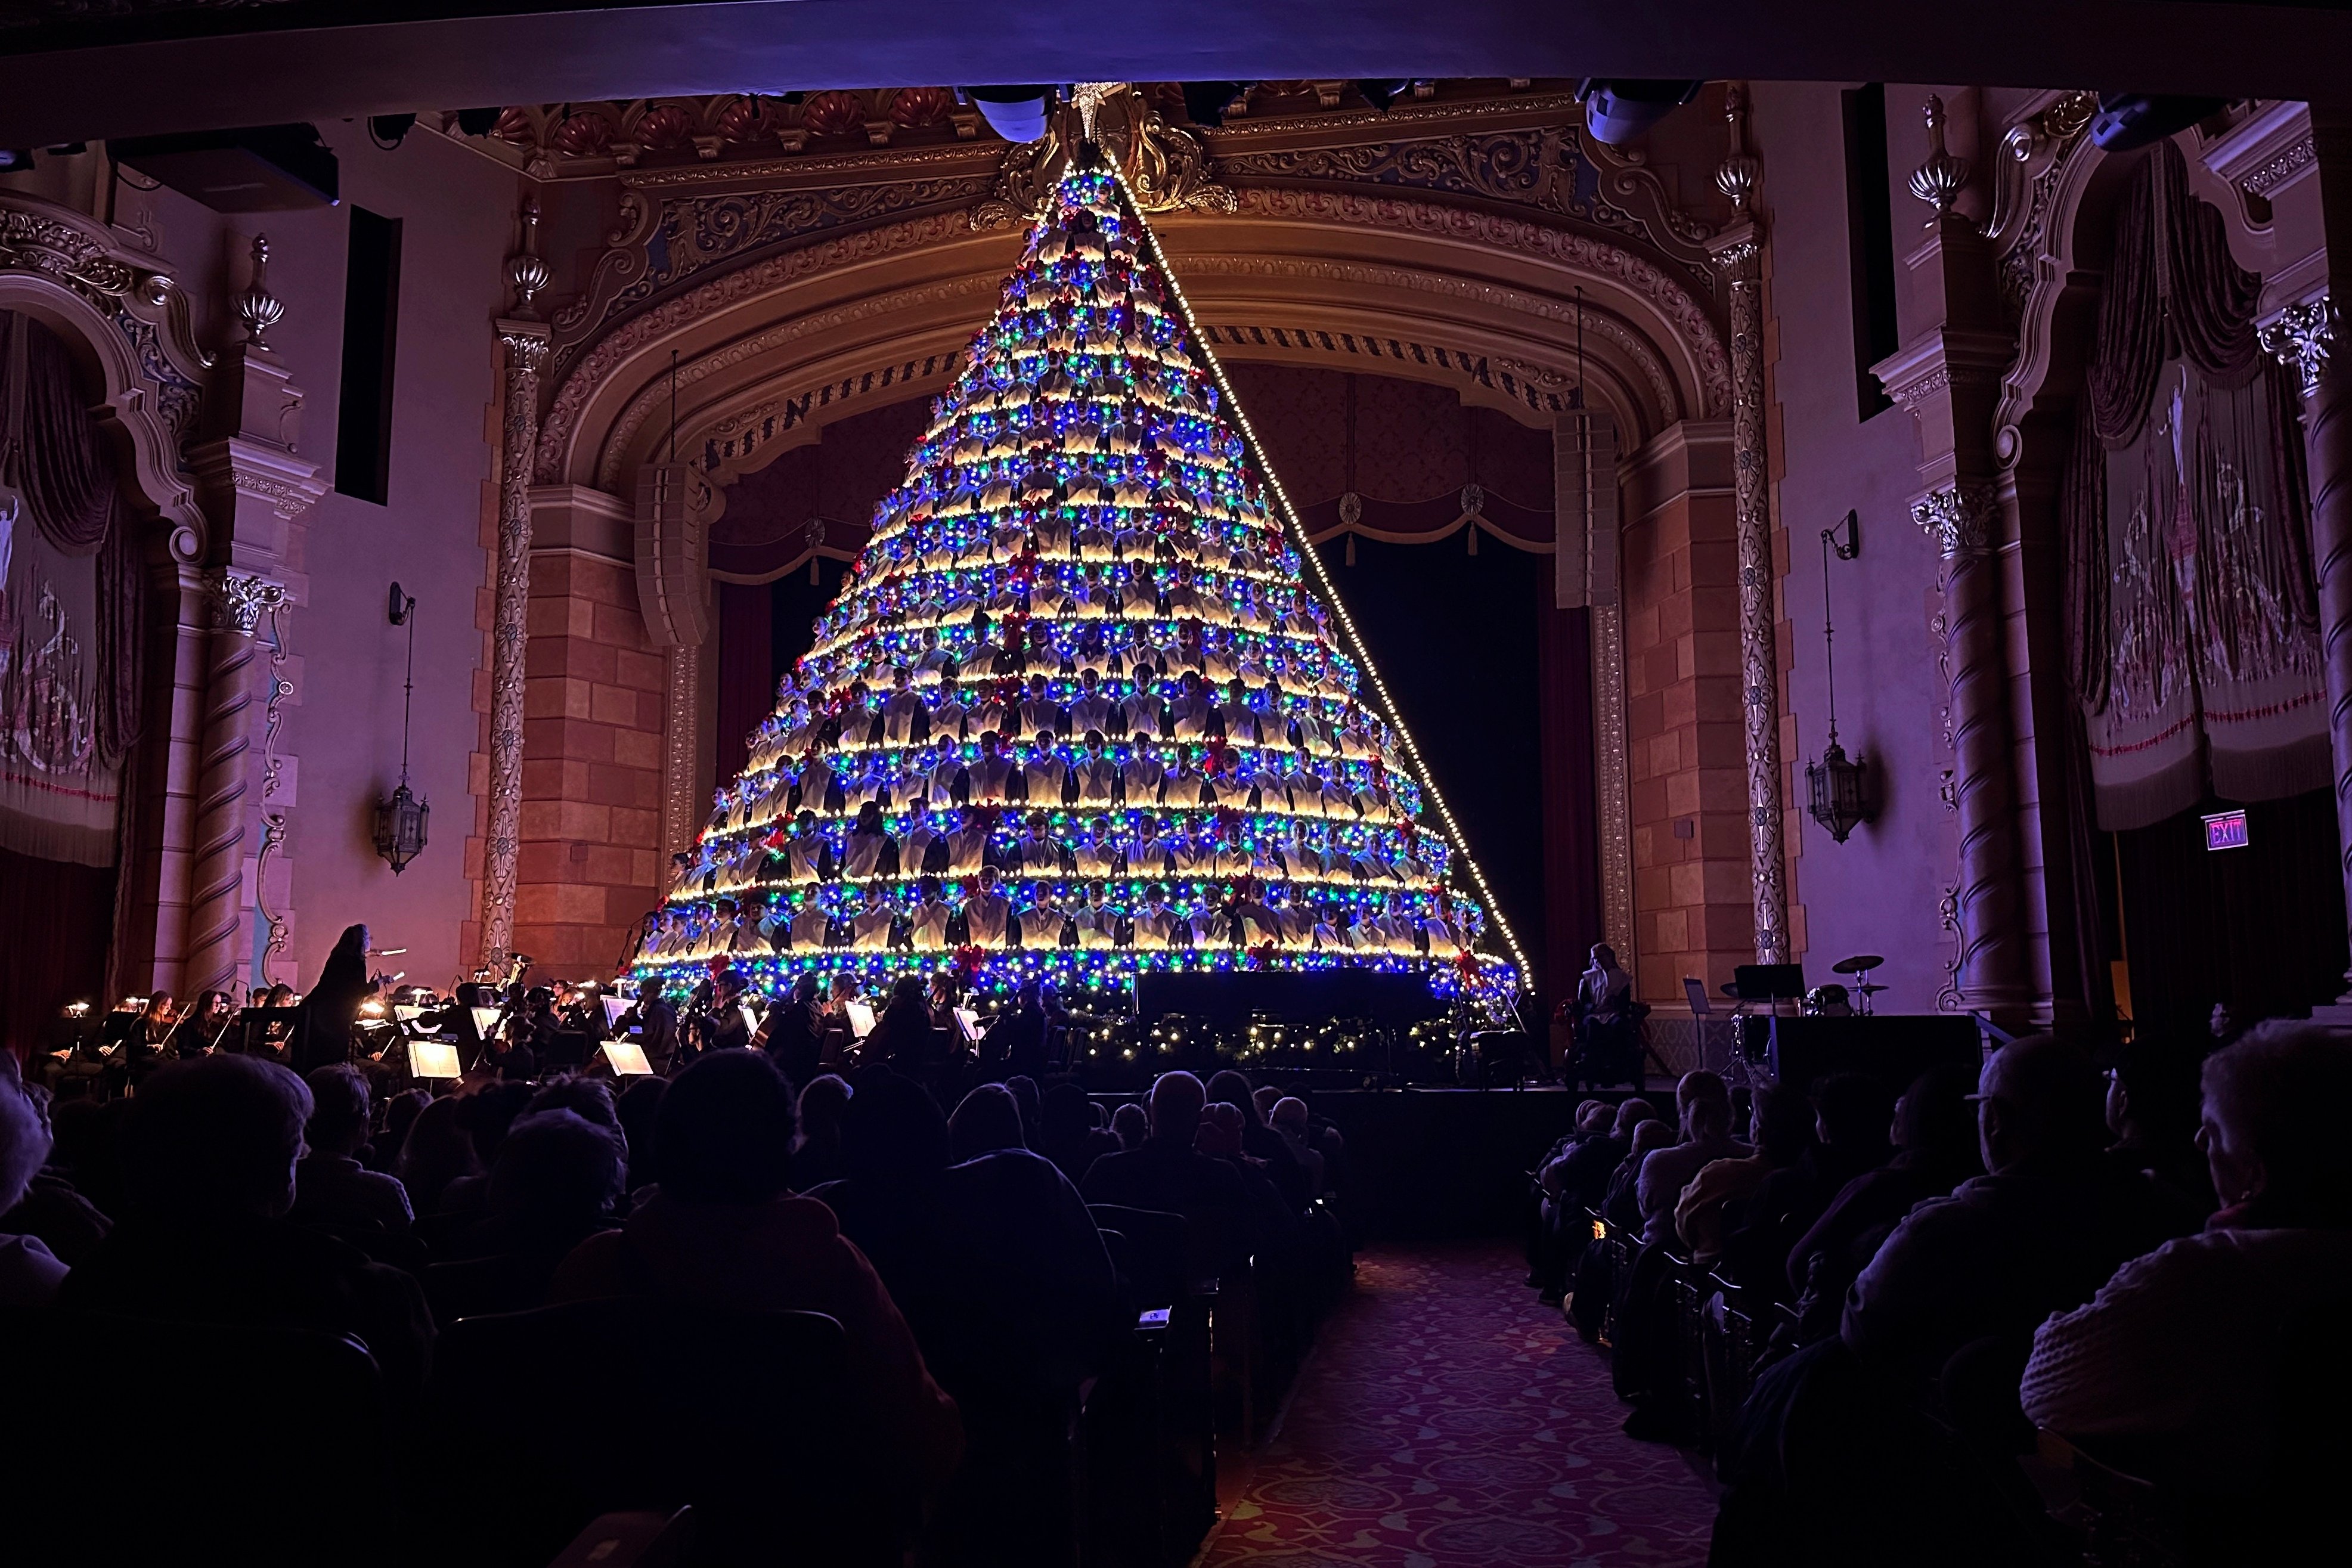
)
(1079, 529)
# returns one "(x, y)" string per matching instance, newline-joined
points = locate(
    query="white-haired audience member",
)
(2183, 1349)
(29, 1275)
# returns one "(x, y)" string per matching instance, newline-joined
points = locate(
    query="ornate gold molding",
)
(1166, 168)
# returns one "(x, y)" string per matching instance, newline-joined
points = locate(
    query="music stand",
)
(1700, 1005)
(1768, 981)
(613, 1007)
(861, 1019)
(628, 1059)
(968, 1022)
(432, 1060)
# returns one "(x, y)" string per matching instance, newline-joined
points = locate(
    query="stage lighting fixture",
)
(1381, 94)
(477, 121)
(1617, 110)
(1205, 103)
(2126, 121)
(1015, 113)
(15, 160)
(389, 131)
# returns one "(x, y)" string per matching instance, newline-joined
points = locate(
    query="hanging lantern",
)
(1837, 781)
(400, 820)
(1838, 785)
(399, 825)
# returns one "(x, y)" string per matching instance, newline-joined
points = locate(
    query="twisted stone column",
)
(216, 913)
(1738, 249)
(1960, 517)
(1759, 659)
(525, 343)
(2304, 340)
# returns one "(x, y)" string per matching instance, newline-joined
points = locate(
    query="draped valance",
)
(2191, 612)
(70, 616)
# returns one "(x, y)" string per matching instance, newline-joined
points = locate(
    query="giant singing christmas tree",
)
(1076, 713)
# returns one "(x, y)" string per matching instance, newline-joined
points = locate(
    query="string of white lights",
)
(1297, 529)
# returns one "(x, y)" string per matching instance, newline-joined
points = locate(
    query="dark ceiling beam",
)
(271, 74)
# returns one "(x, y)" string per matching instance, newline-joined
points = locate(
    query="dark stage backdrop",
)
(1456, 638)
(2261, 928)
(59, 918)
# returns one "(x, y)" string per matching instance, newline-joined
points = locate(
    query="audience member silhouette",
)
(721, 1229)
(817, 1152)
(332, 1191)
(2182, 1352)
(1066, 1133)
(989, 1119)
(1934, 1135)
(1704, 1103)
(437, 1153)
(1168, 1173)
(1844, 1453)
(29, 1273)
(208, 1155)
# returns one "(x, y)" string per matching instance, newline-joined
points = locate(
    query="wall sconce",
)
(400, 819)
(1839, 785)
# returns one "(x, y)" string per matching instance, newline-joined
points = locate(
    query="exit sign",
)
(2226, 830)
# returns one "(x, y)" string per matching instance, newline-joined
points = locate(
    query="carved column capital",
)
(1958, 517)
(2303, 338)
(526, 345)
(239, 599)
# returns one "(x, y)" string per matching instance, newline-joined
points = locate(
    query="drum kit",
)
(1860, 966)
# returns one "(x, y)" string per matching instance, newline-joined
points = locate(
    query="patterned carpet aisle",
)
(1448, 1419)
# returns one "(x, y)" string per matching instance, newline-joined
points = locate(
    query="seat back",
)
(1159, 1249)
(550, 1417)
(144, 1440)
(478, 1287)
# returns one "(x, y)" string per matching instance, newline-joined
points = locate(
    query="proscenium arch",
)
(893, 304)
(130, 410)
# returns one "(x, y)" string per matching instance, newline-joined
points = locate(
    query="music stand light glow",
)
(431, 1059)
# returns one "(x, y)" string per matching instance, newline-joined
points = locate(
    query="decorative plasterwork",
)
(766, 276)
(729, 448)
(2303, 338)
(136, 320)
(2263, 154)
(676, 234)
(238, 600)
(1609, 331)
(651, 402)
(1550, 169)
(1166, 170)
(588, 139)
(1683, 322)
(1689, 320)
(1958, 518)
(2026, 179)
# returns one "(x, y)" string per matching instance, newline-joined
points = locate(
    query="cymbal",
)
(1872, 989)
(1856, 964)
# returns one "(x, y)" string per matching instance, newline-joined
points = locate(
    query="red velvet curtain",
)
(57, 918)
(746, 673)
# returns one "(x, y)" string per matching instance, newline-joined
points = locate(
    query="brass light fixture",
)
(1839, 785)
(400, 819)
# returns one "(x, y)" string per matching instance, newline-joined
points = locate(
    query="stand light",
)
(400, 820)
(1838, 783)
